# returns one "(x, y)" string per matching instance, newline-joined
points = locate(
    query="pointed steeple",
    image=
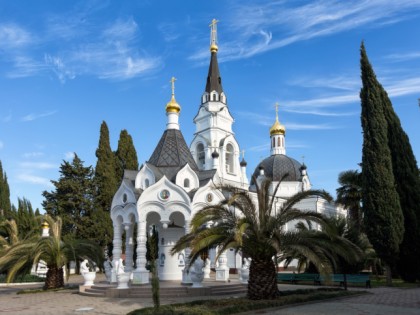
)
(214, 81)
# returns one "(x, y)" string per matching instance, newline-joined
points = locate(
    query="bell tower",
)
(214, 145)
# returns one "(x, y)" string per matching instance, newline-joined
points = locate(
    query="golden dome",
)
(277, 128)
(45, 225)
(173, 106)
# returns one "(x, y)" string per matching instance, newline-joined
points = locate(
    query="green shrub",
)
(23, 279)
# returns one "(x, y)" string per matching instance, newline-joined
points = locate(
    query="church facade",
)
(178, 180)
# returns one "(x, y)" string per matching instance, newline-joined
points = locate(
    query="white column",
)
(222, 272)
(128, 247)
(141, 274)
(185, 273)
(116, 251)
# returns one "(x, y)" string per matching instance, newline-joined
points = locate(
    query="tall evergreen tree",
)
(5, 205)
(126, 155)
(105, 171)
(405, 169)
(25, 218)
(72, 198)
(384, 222)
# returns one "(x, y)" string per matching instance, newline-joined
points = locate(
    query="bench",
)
(350, 278)
(296, 277)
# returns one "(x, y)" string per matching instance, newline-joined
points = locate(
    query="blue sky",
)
(66, 66)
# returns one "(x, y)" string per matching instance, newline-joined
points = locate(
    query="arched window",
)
(186, 183)
(229, 158)
(201, 157)
(278, 142)
(146, 183)
(274, 143)
(214, 96)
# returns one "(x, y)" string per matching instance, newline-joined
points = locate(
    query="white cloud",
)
(59, 68)
(110, 52)
(29, 155)
(261, 27)
(404, 56)
(32, 116)
(13, 36)
(24, 66)
(169, 31)
(268, 122)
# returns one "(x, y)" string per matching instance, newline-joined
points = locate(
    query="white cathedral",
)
(177, 181)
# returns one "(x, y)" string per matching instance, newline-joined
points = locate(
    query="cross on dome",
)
(213, 35)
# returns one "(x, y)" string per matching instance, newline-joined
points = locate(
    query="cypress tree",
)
(105, 171)
(126, 155)
(405, 170)
(384, 222)
(5, 205)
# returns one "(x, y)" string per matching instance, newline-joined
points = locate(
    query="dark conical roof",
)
(172, 151)
(278, 165)
(214, 81)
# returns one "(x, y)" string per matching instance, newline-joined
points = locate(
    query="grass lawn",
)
(238, 305)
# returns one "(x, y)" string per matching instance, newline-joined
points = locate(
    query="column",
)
(141, 274)
(186, 272)
(128, 227)
(116, 252)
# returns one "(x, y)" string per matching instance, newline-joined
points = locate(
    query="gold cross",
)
(213, 23)
(173, 85)
(277, 110)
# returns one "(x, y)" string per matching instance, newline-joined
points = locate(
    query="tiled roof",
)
(171, 154)
(276, 166)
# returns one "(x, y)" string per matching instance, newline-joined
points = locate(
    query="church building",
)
(178, 180)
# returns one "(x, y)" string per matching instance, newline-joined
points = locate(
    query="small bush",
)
(23, 279)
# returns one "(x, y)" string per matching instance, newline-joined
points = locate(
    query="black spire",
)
(214, 81)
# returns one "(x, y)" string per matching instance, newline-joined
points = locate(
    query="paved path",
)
(383, 301)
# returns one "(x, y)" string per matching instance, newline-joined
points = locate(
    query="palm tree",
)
(52, 249)
(350, 195)
(9, 234)
(258, 231)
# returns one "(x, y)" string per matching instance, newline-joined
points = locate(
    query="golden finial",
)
(277, 128)
(213, 36)
(173, 106)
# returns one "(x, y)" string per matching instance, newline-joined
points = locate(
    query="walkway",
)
(383, 301)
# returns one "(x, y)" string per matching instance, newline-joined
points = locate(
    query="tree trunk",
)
(262, 282)
(388, 272)
(54, 279)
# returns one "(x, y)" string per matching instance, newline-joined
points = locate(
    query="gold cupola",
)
(173, 106)
(213, 36)
(277, 128)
